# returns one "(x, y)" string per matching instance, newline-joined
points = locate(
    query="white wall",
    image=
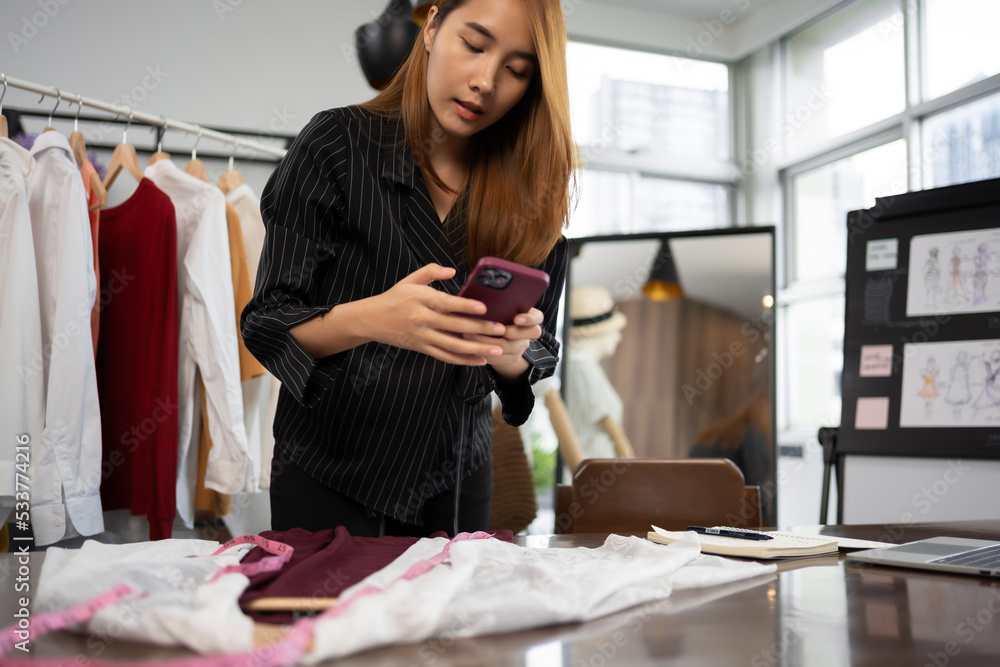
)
(897, 491)
(249, 64)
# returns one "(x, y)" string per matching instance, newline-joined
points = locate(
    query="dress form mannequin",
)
(594, 406)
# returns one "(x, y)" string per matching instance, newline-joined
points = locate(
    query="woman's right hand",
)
(415, 316)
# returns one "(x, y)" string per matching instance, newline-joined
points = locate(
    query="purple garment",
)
(325, 563)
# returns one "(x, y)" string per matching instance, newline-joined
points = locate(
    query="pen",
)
(731, 532)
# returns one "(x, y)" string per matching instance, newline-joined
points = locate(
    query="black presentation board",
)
(922, 325)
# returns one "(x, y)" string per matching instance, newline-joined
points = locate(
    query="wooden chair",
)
(628, 495)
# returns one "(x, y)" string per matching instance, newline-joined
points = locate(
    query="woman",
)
(373, 220)
(744, 438)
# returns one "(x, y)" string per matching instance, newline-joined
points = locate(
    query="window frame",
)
(706, 171)
(906, 125)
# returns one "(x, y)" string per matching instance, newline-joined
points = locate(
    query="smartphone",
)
(505, 287)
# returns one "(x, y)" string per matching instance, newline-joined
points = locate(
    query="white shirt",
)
(260, 394)
(590, 398)
(66, 459)
(247, 205)
(207, 338)
(22, 394)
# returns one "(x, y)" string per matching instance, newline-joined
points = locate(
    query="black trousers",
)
(299, 501)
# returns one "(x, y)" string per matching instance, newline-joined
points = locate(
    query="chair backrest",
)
(629, 495)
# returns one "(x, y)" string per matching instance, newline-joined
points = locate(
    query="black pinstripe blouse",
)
(347, 215)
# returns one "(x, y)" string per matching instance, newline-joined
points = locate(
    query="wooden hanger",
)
(79, 146)
(196, 167)
(123, 157)
(231, 178)
(76, 140)
(49, 128)
(102, 193)
(3, 119)
(159, 154)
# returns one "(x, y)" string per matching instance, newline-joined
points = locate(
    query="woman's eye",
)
(517, 75)
(471, 47)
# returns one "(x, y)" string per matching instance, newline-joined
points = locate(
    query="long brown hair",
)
(727, 434)
(517, 196)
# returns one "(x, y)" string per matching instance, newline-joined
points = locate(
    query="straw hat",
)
(592, 312)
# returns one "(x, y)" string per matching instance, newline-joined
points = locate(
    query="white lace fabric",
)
(483, 586)
(174, 604)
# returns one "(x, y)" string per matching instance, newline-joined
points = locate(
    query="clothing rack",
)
(140, 116)
(16, 114)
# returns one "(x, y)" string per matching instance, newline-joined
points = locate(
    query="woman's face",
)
(480, 61)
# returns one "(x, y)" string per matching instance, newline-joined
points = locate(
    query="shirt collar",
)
(239, 192)
(160, 165)
(18, 156)
(51, 139)
(399, 165)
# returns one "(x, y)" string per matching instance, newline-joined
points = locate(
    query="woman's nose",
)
(484, 80)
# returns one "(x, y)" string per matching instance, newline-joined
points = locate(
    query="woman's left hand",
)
(511, 365)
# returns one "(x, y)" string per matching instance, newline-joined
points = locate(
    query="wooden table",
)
(813, 612)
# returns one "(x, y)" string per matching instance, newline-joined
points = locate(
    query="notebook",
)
(783, 545)
(944, 554)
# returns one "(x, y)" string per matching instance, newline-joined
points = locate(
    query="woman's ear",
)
(430, 27)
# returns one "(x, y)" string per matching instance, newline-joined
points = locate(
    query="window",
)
(604, 204)
(637, 101)
(814, 336)
(822, 197)
(671, 205)
(960, 43)
(963, 144)
(832, 87)
(640, 120)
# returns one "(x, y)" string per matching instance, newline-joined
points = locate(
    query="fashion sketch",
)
(980, 274)
(932, 278)
(956, 288)
(929, 391)
(950, 384)
(989, 397)
(959, 393)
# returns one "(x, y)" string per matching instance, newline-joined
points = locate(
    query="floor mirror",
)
(669, 338)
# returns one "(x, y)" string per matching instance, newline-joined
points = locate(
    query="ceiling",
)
(732, 272)
(692, 9)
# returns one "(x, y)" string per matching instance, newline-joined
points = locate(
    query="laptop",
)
(943, 554)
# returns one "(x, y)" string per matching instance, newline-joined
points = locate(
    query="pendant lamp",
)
(383, 44)
(664, 284)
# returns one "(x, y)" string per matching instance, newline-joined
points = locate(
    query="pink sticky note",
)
(872, 413)
(876, 361)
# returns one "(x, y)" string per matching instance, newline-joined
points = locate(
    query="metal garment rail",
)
(142, 117)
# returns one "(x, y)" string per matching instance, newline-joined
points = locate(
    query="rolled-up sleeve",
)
(301, 206)
(542, 354)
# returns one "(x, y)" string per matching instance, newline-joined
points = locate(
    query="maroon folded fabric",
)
(324, 564)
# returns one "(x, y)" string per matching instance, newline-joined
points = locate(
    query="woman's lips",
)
(468, 110)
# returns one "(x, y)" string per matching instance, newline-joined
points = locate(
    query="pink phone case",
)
(505, 287)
